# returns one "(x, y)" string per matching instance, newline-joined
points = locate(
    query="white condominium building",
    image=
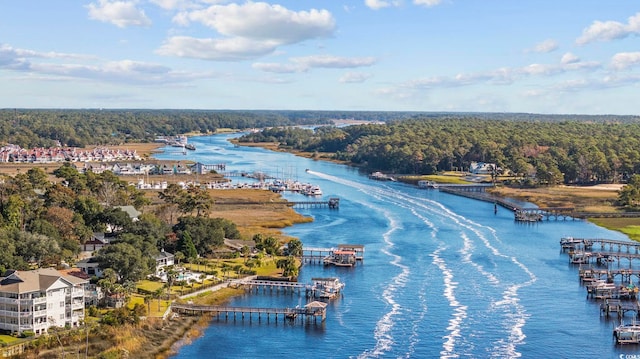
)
(39, 299)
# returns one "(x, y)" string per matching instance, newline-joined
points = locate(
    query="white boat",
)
(627, 333)
(312, 191)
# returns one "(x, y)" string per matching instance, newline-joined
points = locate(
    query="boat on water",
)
(427, 184)
(312, 191)
(627, 333)
(190, 147)
(379, 176)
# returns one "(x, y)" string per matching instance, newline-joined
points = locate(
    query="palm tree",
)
(237, 268)
(172, 275)
(179, 256)
(147, 302)
(158, 294)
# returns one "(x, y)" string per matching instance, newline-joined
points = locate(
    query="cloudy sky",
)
(541, 56)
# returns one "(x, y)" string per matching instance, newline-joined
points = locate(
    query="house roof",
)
(163, 254)
(316, 304)
(35, 280)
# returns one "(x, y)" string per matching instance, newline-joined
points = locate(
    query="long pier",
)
(571, 243)
(321, 288)
(332, 203)
(312, 311)
(478, 192)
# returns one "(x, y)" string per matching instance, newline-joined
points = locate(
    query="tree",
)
(186, 246)
(38, 178)
(288, 266)
(629, 194)
(116, 219)
(179, 256)
(126, 260)
(295, 247)
(173, 195)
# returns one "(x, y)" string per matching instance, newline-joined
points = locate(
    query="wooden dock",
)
(616, 288)
(523, 214)
(570, 243)
(332, 203)
(320, 288)
(310, 312)
(352, 253)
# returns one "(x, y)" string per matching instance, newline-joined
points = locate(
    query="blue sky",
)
(542, 56)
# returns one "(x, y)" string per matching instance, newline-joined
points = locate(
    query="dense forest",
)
(78, 128)
(540, 149)
(48, 127)
(44, 223)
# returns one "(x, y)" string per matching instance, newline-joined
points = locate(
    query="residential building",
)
(97, 241)
(164, 259)
(39, 299)
(482, 168)
(90, 266)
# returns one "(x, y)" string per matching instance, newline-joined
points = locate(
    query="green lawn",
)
(149, 286)
(628, 226)
(7, 339)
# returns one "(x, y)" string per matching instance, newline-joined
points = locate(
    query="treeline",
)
(44, 224)
(78, 128)
(48, 127)
(543, 149)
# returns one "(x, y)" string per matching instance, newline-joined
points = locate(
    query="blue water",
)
(443, 276)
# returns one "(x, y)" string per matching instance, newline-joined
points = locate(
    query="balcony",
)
(39, 300)
(9, 313)
(8, 300)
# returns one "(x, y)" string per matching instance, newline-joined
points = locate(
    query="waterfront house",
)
(482, 168)
(164, 259)
(34, 301)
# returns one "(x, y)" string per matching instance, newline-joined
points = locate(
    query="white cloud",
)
(377, 4)
(251, 29)
(328, 61)
(265, 21)
(175, 4)
(119, 13)
(354, 77)
(500, 76)
(278, 68)
(569, 58)
(624, 60)
(230, 49)
(303, 64)
(545, 46)
(428, 3)
(125, 71)
(380, 4)
(610, 30)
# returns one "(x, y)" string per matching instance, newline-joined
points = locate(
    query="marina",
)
(613, 288)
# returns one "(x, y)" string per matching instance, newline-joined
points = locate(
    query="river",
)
(443, 276)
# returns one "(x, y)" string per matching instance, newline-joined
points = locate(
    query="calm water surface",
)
(443, 276)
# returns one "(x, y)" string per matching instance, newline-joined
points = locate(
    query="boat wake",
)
(477, 257)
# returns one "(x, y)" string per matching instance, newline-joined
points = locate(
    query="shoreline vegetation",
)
(161, 338)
